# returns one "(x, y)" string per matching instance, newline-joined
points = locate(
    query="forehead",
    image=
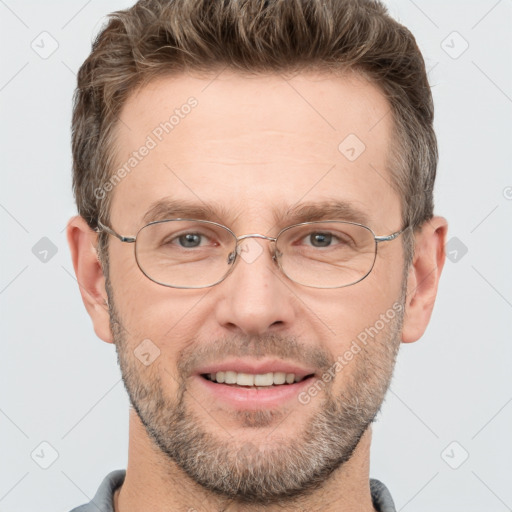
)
(254, 144)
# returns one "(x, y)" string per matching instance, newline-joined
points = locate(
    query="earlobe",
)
(89, 274)
(423, 278)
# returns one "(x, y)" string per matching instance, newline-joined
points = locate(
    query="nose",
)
(255, 298)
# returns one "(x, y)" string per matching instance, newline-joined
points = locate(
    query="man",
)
(256, 236)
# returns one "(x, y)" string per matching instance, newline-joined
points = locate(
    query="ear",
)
(423, 278)
(82, 241)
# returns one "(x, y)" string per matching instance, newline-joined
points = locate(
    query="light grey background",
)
(61, 385)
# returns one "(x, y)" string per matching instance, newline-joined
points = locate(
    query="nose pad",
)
(250, 250)
(276, 255)
(232, 257)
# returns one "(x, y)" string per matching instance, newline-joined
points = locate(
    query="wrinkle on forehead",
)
(252, 140)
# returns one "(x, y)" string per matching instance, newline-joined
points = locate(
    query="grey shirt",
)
(103, 499)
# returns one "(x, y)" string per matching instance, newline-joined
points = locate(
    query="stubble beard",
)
(257, 472)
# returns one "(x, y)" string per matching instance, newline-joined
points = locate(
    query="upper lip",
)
(256, 367)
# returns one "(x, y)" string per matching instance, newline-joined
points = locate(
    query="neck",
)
(153, 482)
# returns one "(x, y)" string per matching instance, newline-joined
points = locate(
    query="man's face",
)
(254, 148)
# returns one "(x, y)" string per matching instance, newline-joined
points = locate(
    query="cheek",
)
(156, 319)
(146, 307)
(350, 311)
(155, 336)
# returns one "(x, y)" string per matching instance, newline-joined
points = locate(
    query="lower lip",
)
(247, 398)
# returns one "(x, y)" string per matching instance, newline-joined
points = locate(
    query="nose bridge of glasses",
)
(255, 235)
(239, 249)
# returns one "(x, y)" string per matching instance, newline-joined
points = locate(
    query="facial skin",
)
(256, 146)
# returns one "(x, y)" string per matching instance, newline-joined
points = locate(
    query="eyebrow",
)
(168, 208)
(330, 209)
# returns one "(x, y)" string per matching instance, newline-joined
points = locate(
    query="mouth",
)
(255, 381)
(243, 384)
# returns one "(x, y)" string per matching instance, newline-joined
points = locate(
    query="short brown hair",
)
(162, 37)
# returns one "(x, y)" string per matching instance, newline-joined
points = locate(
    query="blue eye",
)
(190, 240)
(320, 239)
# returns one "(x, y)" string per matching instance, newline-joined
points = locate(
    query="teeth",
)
(230, 377)
(245, 379)
(280, 377)
(265, 379)
(260, 380)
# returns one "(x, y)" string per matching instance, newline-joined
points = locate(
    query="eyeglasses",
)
(190, 253)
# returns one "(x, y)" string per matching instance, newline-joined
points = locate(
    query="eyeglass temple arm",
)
(390, 237)
(102, 227)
